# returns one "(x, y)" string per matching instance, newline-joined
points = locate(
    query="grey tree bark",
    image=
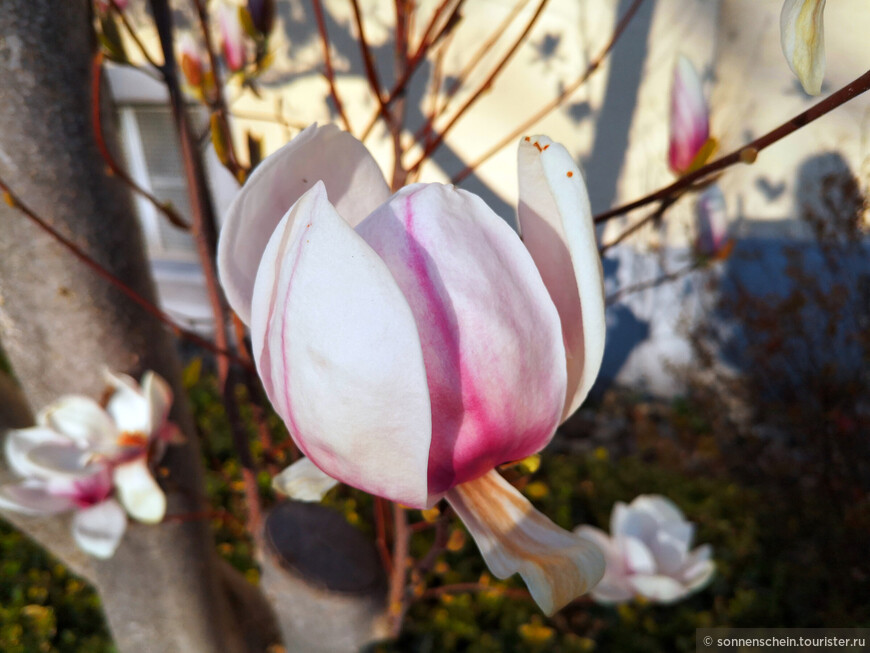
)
(165, 589)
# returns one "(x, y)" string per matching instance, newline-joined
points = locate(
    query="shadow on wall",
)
(808, 299)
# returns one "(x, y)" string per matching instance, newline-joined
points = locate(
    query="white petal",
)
(638, 558)
(337, 348)
(802, 32)
(128, 405)
(513, 537)
(556, 225)
(660, 508)
(158, 393)
(139, 492)
(670, 546)
(614, 587)
(60, 460)
(354, 183)
(303, 481)
(19, 442)
(660, 589)
(699, 568)
(98, 530)
(628, 522)
(32, 498)
(82, 420)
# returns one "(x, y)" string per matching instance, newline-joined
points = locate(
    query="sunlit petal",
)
(82, 420)
(303, 481)
(556, 225)
(138, 492)
(802, 32)
(513, 537)
(690, 126)
(338, 351)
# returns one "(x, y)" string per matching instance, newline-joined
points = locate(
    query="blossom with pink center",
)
(232, 36)
(802, 34)
(690, 126)
(413, 342)
(190, 56)
(647, 553)
(80, 454)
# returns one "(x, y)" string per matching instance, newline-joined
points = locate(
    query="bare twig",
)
(133, 35)
(397, 598)
(664, 205)
(594, 65)
(328, 70)
(652, 283)
(369, 64)
(487, 84)
(748, 152)
(119, 172)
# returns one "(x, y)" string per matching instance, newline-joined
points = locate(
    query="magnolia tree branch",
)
(328, 70)
(747, 153)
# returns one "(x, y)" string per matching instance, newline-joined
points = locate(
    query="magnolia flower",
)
(690, 127)
(711, 225)
(79, 451)
(412, 342)
(232, 36)
(191, 59)
(802, 33)
(648, 553)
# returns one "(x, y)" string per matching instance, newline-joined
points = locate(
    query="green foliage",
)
(44, 608)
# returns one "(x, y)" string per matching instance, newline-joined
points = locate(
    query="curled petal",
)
(159, 397)
(19, 443)
(98, 529)
(513, 537)
(32, 497)
(614, 587)
(139, 493)
(556, 225)
(491, 335)
(698, 568)
(802, 32)
(690, 127)
(303, 481)
(353, 181)
(339, 355)
(55, 460)
(82, 420)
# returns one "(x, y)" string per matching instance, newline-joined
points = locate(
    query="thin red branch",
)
(750, 151)
(487, 84)
(96, 118)
(369, 64)
(397, 597)
(133, 35)
(380, 507)
(652, 283)
(594, 65)
(473, 61)
(328, 70)
(426, 41)
(15, 202)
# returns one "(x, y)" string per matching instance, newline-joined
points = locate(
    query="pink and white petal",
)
(613, 587)
(138, 492)
(338, 352)
(607, 592)
(158, 394)
(98, 529)
(638, 558)
(128, 405)
(658, 588)
(513, 537)
(31, 497)
(690, 127)
(353, 180)
(802, 34)
(19, 443)
(82, 420)
(60, 460)
(492, 344)
(556, 225)
(303, 481)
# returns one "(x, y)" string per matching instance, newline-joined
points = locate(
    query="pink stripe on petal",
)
(690, 126)
(490, 334)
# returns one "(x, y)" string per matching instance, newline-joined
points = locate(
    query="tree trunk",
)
(60, 324)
